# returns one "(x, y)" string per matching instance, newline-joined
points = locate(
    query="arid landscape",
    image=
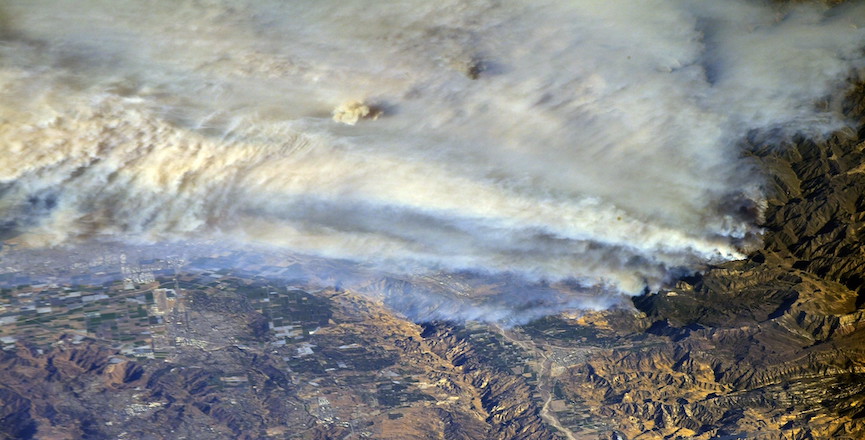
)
(471, 221)
(770, 347)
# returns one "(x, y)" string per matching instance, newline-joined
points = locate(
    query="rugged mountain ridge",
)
(238, 381)
(771, 347)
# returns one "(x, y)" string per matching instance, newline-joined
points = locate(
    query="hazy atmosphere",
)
(597, 143)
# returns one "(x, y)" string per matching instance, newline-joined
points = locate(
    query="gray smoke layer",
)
(587, 141)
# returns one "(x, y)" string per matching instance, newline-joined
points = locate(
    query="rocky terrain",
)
(770, 347)
(363, 372)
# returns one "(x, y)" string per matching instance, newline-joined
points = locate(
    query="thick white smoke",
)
(594, 141)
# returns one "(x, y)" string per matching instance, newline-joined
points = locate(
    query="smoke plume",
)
(593, 143)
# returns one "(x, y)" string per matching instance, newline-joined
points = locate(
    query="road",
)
(545, 379)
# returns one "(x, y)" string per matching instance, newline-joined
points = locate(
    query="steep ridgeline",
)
(772, 347)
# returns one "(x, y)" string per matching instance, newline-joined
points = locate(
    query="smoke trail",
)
(590, 141)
